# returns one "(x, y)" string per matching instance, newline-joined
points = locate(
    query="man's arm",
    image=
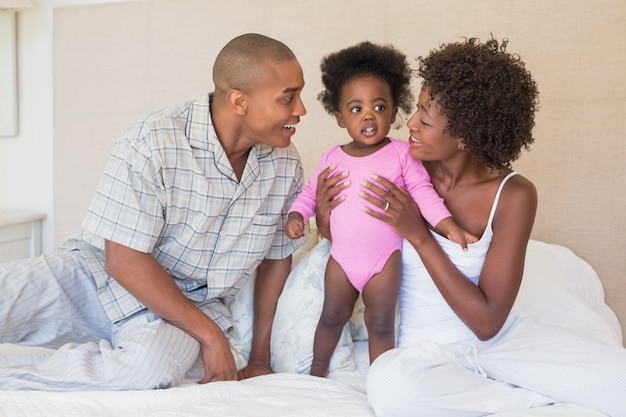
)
(141, 275)
(270, 280)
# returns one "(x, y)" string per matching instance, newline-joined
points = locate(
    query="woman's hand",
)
(397, 208)
(328, 188)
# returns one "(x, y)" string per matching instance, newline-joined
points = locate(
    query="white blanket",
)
(272, 395)
(558, 287)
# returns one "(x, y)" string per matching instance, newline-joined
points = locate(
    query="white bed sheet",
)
(286, 394)
(281, 394)
(558, 287)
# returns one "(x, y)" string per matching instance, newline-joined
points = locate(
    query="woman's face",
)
(430, 139)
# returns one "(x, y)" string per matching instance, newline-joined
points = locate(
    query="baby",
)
(364, 87)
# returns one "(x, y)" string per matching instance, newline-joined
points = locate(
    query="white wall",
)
(26, 181)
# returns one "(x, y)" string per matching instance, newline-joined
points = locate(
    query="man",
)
(191, 206)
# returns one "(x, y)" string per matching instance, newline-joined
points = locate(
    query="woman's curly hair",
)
(365, 59)
(487, 94)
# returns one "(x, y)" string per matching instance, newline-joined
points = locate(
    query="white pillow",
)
(297, 313)
(358, 331)
(240, 336)
(561, 289)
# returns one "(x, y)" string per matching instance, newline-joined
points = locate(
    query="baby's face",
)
(366, 109)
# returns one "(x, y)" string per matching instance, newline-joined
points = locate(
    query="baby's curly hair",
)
(364, 59)
(487, 94)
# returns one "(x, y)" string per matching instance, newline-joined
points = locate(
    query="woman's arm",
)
(328, 187)
(483, 308)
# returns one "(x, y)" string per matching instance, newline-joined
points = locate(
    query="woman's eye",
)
(423, 122)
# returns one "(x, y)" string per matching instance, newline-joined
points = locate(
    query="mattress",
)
(281, 394)
(558, 287)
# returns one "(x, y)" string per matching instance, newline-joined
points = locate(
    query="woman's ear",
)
(340, 121)
(237, 101)
(460, 144)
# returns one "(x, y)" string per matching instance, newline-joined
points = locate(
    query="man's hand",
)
(254, 369)
(217, 360)
(142, 276)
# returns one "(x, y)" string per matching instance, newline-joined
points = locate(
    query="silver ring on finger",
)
(386, 206)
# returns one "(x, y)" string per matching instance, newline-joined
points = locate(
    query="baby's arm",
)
(455, 233)
(294, 228)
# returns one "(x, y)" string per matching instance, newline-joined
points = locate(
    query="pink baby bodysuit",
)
(362, 244)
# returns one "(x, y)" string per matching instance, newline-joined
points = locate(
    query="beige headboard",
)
(113, 62)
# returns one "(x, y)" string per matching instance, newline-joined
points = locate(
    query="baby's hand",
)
(460, 236)
(294, 229)
(456, 233)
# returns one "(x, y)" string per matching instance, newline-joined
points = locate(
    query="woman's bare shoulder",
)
(518, 204)
(519, 186)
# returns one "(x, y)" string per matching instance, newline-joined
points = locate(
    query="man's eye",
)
(289, 99)
(356, 109)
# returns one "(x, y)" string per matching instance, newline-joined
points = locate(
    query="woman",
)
(463, 349)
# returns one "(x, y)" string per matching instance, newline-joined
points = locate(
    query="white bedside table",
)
(20, 234)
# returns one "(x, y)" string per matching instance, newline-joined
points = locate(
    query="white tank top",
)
(424, 314)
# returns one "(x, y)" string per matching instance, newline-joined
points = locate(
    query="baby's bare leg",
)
(380, 297)
(339, 299)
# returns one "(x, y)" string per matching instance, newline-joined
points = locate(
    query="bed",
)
(558, 287)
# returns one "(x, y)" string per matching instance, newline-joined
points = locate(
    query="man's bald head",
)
(240, 63)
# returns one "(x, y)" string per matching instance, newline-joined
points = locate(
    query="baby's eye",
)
(379, 107)
(356, 109)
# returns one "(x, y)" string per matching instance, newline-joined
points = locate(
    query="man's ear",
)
(237, 101)
(340, 120)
